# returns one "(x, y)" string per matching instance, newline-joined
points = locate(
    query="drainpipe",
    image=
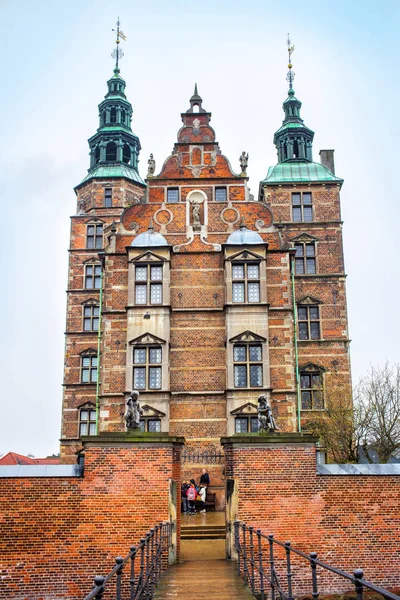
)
(296, 353)
(102, 258)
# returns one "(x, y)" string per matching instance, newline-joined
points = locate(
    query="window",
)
(111, 152)
(172, 195)
(94, 236)
(87, 421)
(312, 390)
(92, 277)
(97, 155)
(107, 197)
(147, 367)
(148, 284)
(113, 115)
(89, 368)
(220, 194)
(302, 206)
(246, 424)
(126, 154)
(91, 318)
(247, 365)
(150, 424)
(245, 282)
(308, 320)
(305, 259)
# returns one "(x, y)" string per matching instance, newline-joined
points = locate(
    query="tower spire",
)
(118, 53)
(290, 75)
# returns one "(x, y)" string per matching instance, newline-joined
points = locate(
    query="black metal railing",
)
(208, 457)
(257, 565)
(145, 562)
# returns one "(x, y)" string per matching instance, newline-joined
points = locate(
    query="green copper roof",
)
(295, 125)
(119, 170)
(296, 171)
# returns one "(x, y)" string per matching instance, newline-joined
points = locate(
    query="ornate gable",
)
(248, 336)
(91, 351)
(91, 301)
(246, 255)
(304, 237)
(92, 261)
(149, 411)
(94, 221)
(311, 368)
(89, 405)
(148, 257)
(309, 300)
(146, 339)
(248, 408)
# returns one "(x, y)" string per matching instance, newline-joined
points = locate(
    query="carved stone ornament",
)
(266, 421)
(133, 411)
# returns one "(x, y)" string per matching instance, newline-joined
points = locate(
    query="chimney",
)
(326, 157)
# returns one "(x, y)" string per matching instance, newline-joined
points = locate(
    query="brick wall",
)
(351, 521)
(57, 533)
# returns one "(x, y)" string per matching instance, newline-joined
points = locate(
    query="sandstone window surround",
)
(302, 208)
(247, 367)
(312, 387)
(245, 418)
(149, 280)
(94, 234)
(87, 419)
(108, 197)
(149, 363)
(220, 194)
(90, 315)
(245, 276)
(88, 369)
(172, 195)
(151, 418)
(92, 277)
(306, 254)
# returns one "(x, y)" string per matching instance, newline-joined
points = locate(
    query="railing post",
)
(147, 564)
(358, 574)
(132, 576)
(156, 555)
(260, 564)
(251, 558)
(315, 593)
(152, 569)
(141, 576)
(245, 567)
(272, 565)
(288, 571)
(119, 560)
(98, 582)
(237, 545)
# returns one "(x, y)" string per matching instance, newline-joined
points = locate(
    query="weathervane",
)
(290, 75)
(118, 53)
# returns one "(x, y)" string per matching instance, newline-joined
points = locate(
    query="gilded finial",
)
(118, 53)
(290, 75)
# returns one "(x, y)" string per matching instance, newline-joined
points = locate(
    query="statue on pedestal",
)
(196, 216)
(151, 166)
(244, 161)
(266, 421)
(133, 411)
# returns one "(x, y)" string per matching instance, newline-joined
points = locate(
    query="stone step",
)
(203, 536)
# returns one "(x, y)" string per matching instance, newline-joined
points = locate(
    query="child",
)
(191, 496)
(202, 494)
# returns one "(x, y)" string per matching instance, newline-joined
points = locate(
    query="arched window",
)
(196, 108)
(97, 155)
(113, 115)
(111, 151)
(123, 117)
(295, 149)
(126, 154)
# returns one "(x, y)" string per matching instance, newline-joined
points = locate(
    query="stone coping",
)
(366, 469)
(269, 439)
(41, 471)
(131, 437)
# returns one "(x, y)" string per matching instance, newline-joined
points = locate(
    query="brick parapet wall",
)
(351, 521)
(57, 533)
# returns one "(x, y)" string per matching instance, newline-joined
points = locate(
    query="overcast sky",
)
(55, 64)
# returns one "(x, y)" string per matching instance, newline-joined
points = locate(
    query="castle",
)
(187, 288)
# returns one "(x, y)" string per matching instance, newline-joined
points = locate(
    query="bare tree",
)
(377, 397)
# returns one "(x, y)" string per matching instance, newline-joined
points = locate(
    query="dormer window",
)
(245, 282)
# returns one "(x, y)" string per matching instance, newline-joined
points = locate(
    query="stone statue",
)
(266, 421)
(244, 161)
(133, 411)
(152, 166)
(196, 215)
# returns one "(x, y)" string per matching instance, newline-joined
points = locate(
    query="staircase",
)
(203, 532)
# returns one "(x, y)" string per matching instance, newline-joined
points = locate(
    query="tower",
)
(304, 197)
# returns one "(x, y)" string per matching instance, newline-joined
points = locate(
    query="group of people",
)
(190, 492)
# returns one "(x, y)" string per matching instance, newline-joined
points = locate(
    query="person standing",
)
(191, 496)
(184, 489)
(205, 478)
(202, 494)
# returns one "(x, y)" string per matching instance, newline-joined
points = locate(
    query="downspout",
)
(296, 353)
(101, 256)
